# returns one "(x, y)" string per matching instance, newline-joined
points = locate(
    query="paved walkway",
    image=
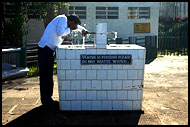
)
(165, 100)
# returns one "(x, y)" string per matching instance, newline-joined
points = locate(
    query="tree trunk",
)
(49, 17)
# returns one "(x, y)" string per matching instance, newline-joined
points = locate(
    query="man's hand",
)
(84, 33)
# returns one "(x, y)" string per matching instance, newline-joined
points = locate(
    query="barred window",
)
(107, 12)
(139, 12)
(78, 10)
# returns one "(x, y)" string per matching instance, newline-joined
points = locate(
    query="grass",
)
(33, 70)
(172, 53)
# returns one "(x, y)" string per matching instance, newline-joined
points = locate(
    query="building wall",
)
(123, 26)
(36, 30)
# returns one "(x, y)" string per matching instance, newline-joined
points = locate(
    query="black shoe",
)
(52, 106)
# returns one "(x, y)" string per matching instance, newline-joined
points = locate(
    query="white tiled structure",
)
(100, 86)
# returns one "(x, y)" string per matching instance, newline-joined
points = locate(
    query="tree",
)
(14, 29)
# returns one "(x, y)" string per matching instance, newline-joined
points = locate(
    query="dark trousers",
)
(46, 62)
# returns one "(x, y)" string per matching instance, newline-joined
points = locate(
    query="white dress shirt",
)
(52, 36)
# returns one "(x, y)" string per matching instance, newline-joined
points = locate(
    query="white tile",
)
(137, 84)
(66, 85)
(86, 66)
(70, 74)
(58, 64)
(65, 64)
(141, 54)
(132, 74)
(80, 74)
(138, 64)
(96, 105)
(117, 66)
(75, 85)
(96, 84)
(79, 52)
(91, 95)
(106, 84)
(112, 51)
(75, 64)
(106, 67)
(128, 66)
(70, 95)
(116, 84)
(122, 74)
(96, 67)
(134, 53)
(127, 105)
(137, 105)
(65, 105)
(61, 54)
(132, 95)
(76, 105)
(61, 95)
(90, 51)
(112, 95)
(101, 51)
(86, 84)
(101, 74)
(106, 105)
(122, 51)
(70, 54)
(91, 74)
(127, 84)
(117, 105)
(81, 95)
(140, 74)
(61, 74)
(112, 74)
(140, 94)
(101, 95)
(86, 105)
(122, 95)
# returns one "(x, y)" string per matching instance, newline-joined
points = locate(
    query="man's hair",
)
(74, 18)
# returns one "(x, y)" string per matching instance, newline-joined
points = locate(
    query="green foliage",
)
(33, 71)
(172, 28)
(14, 29)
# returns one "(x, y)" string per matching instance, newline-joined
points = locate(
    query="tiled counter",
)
(100, 86)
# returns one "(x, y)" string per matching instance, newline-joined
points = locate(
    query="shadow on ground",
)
(38, 116)
(148, 61)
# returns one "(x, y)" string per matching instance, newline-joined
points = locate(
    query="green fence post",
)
(23, 56)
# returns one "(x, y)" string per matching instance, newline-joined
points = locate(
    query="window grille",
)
(139, 12)
(107, 12)
(78, 10)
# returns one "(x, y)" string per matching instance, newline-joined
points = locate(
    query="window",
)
(139, 12)
(107, 12)
(78, 10)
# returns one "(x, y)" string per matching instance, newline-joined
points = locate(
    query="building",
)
(173, 9)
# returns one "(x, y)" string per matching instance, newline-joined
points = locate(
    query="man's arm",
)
(61, 28)
(82, 29)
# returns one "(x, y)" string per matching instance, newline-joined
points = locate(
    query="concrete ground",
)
(165, 100)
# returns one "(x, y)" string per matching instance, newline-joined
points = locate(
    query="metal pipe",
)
(101, 33)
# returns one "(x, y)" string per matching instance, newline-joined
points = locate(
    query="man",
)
(52, 37)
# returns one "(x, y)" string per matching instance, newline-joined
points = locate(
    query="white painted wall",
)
(123, 25)
(36, 30)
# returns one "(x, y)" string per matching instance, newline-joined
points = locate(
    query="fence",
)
(14, 56)
(149, 42)
(32, 54)
(174, 45)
